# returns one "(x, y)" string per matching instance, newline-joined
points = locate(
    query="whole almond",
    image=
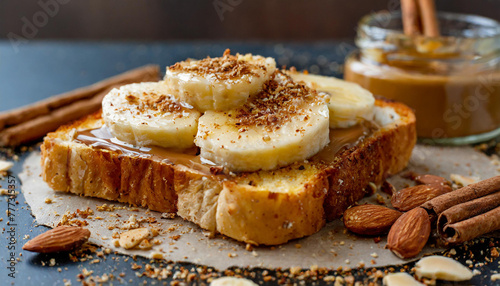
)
(409, 234)
(61, 238)
(412, 197)
(431, 180)
(370, 219)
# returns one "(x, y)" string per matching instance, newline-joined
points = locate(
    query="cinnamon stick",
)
(467, 212)
(471, 228)
(468, 209)
(46, 106)
(411, 17)
(41, 125)
(34, 121)
(428, 18)
(439, 204)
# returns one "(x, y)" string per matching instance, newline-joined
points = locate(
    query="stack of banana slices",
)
(242, 113)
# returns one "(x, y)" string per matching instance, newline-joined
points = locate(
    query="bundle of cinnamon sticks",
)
(419, 18)
(33, 121)
(468, 212)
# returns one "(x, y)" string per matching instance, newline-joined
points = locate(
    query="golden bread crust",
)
(379, 156)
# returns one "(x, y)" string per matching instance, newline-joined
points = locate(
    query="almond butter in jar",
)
(452, 81)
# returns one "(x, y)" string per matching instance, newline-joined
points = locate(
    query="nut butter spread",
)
(340, 139)
(446, 105)
(100, 138)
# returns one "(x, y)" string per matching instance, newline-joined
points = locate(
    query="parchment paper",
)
(332, 247)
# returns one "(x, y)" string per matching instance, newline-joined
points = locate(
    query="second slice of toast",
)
(264, 207)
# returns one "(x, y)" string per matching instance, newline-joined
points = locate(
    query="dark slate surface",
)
(41, 69)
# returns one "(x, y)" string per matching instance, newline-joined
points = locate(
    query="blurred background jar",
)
(452, 81)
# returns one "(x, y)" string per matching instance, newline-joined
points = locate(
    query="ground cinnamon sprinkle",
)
(222, 68)
(155, 102)
(280, 99)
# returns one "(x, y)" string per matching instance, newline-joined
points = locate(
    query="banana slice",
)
(286, 122)
(145, 114)
(219, 83)
(349, 103)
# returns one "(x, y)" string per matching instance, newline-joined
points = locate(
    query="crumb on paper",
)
(132, 223)
(248, 247)
(156, 255)
(168, 215)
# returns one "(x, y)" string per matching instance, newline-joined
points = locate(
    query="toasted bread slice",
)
(264, 207)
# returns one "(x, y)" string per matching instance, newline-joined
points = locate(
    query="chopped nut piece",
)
(463, 180)
(494, 252)
(495, 277)
(295, 270)
(156, 255)
(132, 238)
(249, 247)
(145, 244)
(228, 281)
(168, 215)
(402, 278)
(5, 192)
(154, 232)
(131, 223)
(5, 165)
(444, 268)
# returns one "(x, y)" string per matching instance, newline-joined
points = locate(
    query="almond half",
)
(409, 234)
(443, 268)
(412, 197)
(61, 238)
(134, 237)
(370, 219)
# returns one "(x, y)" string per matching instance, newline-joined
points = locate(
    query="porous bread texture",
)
(264, 207)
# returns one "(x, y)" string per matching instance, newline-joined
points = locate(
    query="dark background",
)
(277, 20)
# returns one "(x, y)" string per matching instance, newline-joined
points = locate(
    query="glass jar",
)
(452, 81)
